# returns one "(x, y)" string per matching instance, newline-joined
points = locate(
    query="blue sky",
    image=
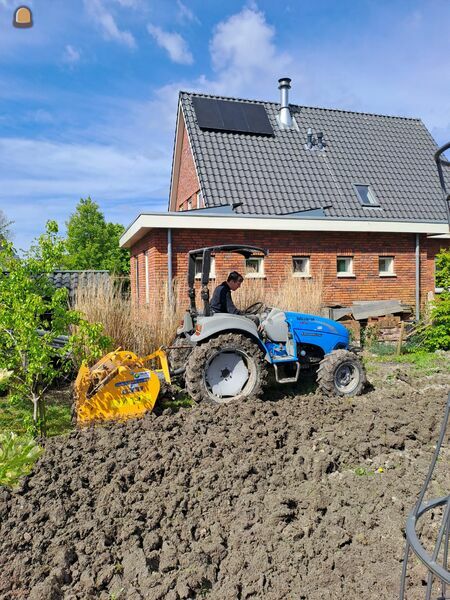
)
(88, 96)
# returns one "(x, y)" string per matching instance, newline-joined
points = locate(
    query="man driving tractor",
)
(221, 299)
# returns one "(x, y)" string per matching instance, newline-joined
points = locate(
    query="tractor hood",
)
(314, 323)
(313, 327)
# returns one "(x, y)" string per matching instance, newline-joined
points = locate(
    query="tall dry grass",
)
(295, 294)
(140, 329)
(144, 328)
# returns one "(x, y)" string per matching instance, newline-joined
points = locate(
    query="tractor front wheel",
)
(227, 368)
(341, 373)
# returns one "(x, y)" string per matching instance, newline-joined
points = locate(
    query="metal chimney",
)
(284, 85)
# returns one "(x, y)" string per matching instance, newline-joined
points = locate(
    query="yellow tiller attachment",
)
(119, 386)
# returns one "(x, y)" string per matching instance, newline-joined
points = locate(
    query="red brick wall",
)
(188, 183)
(322, 247)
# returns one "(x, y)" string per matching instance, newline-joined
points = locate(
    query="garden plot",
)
(301, 497)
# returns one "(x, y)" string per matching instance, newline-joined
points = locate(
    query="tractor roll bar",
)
(205, 254)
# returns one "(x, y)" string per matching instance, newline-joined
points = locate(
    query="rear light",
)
(198, 329)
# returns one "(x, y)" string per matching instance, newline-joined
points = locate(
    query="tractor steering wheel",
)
(253, 309)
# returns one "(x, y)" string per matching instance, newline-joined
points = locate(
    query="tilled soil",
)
(274, 499)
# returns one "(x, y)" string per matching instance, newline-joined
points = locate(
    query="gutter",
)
(417, 277)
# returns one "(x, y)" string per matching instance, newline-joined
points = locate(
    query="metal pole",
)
(169, 265)
(417, 277)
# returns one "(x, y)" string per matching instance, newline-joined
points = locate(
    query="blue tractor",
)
(226, 358)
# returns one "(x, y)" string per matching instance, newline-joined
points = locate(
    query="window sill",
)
(254, 276)
(199, 278)
(301, 276)
(346, 276)
(388, 274)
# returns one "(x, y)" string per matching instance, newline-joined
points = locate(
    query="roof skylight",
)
(366, 195)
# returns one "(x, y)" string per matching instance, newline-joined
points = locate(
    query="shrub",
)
(17, 457)
(437, 334)
(29, 303)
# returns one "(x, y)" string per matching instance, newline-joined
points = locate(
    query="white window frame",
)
(212, 268)
(189, 204)
(259, 273)
(391, 271)
(307, 272)
(373, 202)
(147, 283)
(199, 199)
(349, 272)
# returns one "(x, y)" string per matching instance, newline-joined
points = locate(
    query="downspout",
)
(169, 265)
(417, 277)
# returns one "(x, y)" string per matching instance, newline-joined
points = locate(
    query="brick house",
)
(353, 196)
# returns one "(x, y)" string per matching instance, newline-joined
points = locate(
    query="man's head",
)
(234, 280)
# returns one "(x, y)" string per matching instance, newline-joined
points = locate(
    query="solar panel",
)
(225, 115)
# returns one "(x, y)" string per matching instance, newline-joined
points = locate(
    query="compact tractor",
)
(226, 357)
(223, 357)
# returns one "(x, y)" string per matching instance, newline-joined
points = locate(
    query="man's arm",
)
(231, 308)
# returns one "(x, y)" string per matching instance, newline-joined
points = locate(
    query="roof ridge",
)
(338, 110)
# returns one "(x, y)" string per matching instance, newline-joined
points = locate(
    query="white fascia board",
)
(443, 236)
(179, 134)
(145, 222)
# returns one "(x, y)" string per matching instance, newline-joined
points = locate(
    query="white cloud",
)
(185, 14)
(105, 20)
(44, 180)
(71, 55)
(129, 3)
(244, 55)
(173, 43)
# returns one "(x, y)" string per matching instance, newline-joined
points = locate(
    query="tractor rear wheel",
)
(227, 368)
(341, 373)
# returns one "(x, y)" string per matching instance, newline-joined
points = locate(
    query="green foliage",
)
(15, 415)
(5, 376)
(92, 243)
(17, 457)
(29, 303)
(5, 231)
(443, 269)
(437, 335)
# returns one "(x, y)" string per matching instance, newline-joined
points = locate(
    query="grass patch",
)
(422, 361)
(17, 457)
(16, 414)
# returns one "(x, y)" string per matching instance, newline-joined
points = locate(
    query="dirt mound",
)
(265, 500)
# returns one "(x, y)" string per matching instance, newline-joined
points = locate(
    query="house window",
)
(147, 287)
(198, 268)
(366, 195)
(300, 266)
(199, 200)
(189, 204)
(344, 266)
(386, 266)
(254, 266)
(136, 275)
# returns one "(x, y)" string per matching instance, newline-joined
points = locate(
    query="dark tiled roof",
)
(277, 175)
(73, 279)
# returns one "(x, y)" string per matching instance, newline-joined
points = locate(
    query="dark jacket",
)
(221, 300)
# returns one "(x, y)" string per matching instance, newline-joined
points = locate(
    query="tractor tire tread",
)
(199, 357)
(327, 366)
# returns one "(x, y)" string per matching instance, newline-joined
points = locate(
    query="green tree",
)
(5, 231)
(437, 335)
(93, 243)
(32, 313)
